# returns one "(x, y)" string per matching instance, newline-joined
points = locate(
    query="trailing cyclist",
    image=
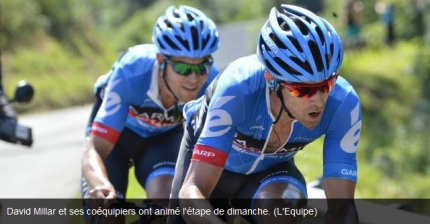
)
(137, 117)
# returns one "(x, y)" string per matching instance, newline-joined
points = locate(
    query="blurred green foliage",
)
(61, 47)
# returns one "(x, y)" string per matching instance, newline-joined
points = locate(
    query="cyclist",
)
(255, 117)
(137, 116)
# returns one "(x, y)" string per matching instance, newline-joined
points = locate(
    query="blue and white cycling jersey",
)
(234, 121)
(131, 97)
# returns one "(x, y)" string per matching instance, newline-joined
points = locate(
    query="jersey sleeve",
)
(113, 112)
(100, 84)
(225, 112)
(341, 140)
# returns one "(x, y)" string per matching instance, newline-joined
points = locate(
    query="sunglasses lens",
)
(186, 69)
(199, 69)
(308, 91)
(295, 92)
(180, 68)
(325, 88)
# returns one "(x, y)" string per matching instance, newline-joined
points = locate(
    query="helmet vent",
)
(316, 55)
(183, 42)
(190, 17)
(303, 64)
(205, 42)
(295, 43)
(195, 38)
(271, 68)
(286, 67)
(301, 25)
(329, 54)
(160, 44)
(170, 42)
(320, 34)
(277, 41)
(213, 44)
(168, 24)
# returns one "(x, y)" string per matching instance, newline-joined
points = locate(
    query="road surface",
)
(50, 168)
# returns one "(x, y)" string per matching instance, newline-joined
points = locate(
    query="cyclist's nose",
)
(193, 77)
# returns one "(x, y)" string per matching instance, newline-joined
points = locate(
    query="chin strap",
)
(283, 107)
(176, 114)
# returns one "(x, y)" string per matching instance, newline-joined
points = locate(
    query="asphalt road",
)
(51, 167)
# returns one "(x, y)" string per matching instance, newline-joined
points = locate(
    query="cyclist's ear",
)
(160, 61)
(162, 65)
(271, 81)
(269, 77)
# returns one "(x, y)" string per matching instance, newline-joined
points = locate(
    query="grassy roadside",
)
(64, 82)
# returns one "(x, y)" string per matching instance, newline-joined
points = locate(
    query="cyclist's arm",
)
(199, 183)
(105, 131)
(212, 149)
(340, 196)
(340, 163)
(94, 170)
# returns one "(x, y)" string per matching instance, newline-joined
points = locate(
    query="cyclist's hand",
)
(102, 196)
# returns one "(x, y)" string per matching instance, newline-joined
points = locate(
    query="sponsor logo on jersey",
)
(251, 144)
(301, 138)
(209, 155)
(259, 127)
(112, 101)
(105, 132)
(291, 149)
(219, 121)
(248, 142)
(350, 140)
(349, 172)
(153, 116)
(205, 153)
(99, 129)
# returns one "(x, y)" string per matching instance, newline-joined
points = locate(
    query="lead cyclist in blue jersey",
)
(241, 137)
(138, 114)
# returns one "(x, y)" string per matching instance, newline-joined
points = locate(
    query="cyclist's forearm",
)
(94, 170)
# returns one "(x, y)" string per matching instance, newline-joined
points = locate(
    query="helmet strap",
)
(176, 110)
(283, 107)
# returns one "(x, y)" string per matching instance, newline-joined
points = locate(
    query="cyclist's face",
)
(307, 111)
(185, 87)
